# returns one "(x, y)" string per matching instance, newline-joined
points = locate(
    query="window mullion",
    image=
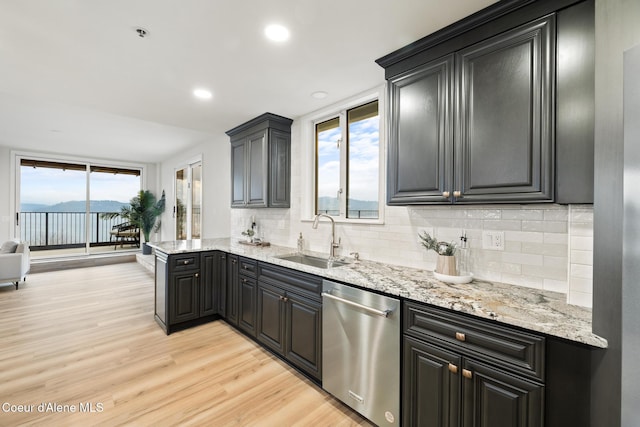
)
(344, 167)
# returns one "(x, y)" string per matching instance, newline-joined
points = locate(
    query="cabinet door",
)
(238, 173)
(505, 136)
(220, 282)
(233, 286)
(304, 334)
(258, 170)
(280, 169)
(183, 297)
(247, 305)
(421, 134)
(431, 385)
(492, 398)
(271, 317)
(208, 296)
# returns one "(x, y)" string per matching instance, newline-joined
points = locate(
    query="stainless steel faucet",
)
(334, 245)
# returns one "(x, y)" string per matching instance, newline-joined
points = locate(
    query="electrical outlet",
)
(493, 240)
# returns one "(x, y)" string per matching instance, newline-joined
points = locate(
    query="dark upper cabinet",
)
(421, 130)
(504, 141)
(260, 162)
(497, 108)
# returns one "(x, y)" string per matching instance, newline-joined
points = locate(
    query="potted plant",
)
(143, 212)
(446, 263)
(249, 234)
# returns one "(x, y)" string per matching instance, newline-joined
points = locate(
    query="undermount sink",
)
(312, 261)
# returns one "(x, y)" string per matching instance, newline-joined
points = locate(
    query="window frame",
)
(15, 180)
(309, 179)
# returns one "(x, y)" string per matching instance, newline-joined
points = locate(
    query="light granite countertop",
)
(532, 309)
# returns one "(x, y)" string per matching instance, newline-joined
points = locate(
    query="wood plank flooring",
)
(85, 340)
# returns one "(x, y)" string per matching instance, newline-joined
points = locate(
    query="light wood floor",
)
(87, 336)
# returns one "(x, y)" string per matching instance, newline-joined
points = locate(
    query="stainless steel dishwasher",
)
(361, 351)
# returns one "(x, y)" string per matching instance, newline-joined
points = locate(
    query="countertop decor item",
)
(446, 263)
(453, 279)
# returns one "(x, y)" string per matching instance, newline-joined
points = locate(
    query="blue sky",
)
(363, 159)
(49, 186)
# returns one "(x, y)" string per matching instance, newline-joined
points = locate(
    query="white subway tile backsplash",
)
(582, 257)
(582, 271)
(523, 214)
(584, 299)
(584, 243)
(532, 225)
(555, 285)
(555, 227)
(546, 246)
(524, 236)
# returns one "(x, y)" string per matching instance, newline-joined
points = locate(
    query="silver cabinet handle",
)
(446, 194)
(383, 313)
(456, 194)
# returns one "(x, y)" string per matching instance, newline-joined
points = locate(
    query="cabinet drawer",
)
(184, 262)
(248, 267)
(520, 352)
(291, 280)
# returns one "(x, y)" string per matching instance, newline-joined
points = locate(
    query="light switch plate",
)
(493, 240)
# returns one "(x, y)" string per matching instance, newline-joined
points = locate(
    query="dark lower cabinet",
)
(232, 289)
(188, 288)
(247, 296)
(431, 385)
(183, 294)
(290, 318)
(466, 373)
(494, 398)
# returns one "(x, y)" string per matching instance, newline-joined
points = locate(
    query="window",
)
(347, 165)
(65, 208)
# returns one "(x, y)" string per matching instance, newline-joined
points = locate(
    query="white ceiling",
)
(75, 78)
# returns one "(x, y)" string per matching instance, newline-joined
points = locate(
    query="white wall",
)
(216, 186)
(6, 216)
(547, 246)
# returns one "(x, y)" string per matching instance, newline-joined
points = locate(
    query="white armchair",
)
(15, 261)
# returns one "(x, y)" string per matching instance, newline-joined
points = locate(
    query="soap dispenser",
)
(300, 243)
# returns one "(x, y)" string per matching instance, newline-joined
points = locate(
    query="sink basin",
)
(312, 261)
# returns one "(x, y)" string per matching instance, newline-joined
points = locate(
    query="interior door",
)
(188, 202)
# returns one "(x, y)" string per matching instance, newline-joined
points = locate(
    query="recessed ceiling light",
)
(276, 33)
(142, 32)
(319, 94)
(202, 93)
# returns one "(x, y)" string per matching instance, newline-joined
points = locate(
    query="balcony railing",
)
(65, 230)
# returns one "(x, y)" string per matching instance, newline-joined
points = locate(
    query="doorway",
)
(188, 202)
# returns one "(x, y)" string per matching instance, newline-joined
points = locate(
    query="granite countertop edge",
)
(532, 309)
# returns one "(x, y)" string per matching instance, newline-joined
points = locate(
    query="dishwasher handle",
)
(383, 313)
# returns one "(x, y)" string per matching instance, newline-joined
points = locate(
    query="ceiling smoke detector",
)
(142, 33)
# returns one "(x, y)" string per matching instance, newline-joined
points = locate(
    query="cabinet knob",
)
(186, 262)
(446, 194)
(197, 275)
(457, 194)
(467, 374)
(244, 280)
(453, 368)
(235, 261)
(460, 336)
(285, 299)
